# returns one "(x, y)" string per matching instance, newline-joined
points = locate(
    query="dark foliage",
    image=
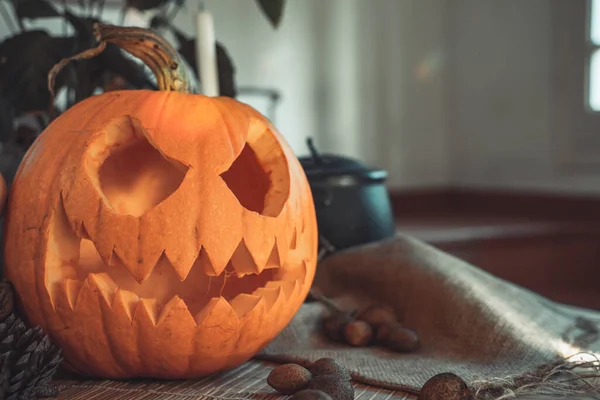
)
(27, 58)
(273, 10)
(144, 5)
(91, 74)
(32, 9)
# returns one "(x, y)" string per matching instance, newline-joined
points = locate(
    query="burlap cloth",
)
(469, 322)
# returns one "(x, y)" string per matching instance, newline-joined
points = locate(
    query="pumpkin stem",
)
(152, 49)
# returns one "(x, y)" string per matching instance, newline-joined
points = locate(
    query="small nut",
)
(383, 331)
(358, 333)
(311, 394)
(398, 338)
(334, 386)
(289, 378)
(333, 326)
(446, 386)
(377, 314)
(329, 366)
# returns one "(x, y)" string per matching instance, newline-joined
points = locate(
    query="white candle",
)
(206, 53)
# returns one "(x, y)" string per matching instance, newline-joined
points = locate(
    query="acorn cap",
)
(335, 386)
(329, 366)
(311, 394)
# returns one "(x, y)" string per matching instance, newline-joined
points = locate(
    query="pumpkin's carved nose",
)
(136, 177)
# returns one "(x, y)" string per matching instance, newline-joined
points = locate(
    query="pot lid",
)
(328, 166)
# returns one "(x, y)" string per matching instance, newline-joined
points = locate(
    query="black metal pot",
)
(351, 200)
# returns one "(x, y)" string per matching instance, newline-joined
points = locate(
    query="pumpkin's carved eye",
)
(248, 180)
(259, 177)
(133, 175)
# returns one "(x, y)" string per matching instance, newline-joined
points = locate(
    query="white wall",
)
(438, 93)
(499, 99)
(346, 69)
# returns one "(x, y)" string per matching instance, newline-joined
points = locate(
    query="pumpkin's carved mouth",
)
(73, 264)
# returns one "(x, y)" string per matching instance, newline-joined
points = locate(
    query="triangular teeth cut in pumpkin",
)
(287, 286)
(105, 285)
(219, 251)
(176, 309)
(203, 262)
(146, 264)
(274, 260)
(217, 309)
(72, 289)
(243, 262)
(244, 303)
(293, 239)
(181, 267)
(281, 248)
(83, 232)
(125, 302)
(296, 290)
(140, 271)
(106, 252)
(217, 266)
(146, 309)
(259, 244)
(291, 271)
(271, 295)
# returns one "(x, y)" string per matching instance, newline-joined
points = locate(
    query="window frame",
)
(575, 126)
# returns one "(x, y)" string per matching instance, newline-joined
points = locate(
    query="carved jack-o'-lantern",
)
(3, 192)
(158, 233)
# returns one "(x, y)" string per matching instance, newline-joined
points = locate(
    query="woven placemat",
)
(470, 323)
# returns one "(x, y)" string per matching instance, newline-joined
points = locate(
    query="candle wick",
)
(201, 6)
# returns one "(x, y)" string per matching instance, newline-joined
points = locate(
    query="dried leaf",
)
(225, 67)
(33, 9)
(273, 10)
(26, 60)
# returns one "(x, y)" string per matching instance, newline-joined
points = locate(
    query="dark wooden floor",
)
(556, 257)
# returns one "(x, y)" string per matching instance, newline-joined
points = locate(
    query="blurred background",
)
(485, 114)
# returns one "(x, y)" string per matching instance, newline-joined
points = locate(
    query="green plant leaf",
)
(273, 10)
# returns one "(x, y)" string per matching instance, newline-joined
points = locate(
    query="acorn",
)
(334, 386)
(329, 366)
(396, 337)
(289, 378)
(333, 325)
(445, 386)
(377, 314)
(358, 333)
(311, 394)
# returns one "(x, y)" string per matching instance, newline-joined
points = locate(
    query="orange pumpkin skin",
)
(3, 193)
(130, 219)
